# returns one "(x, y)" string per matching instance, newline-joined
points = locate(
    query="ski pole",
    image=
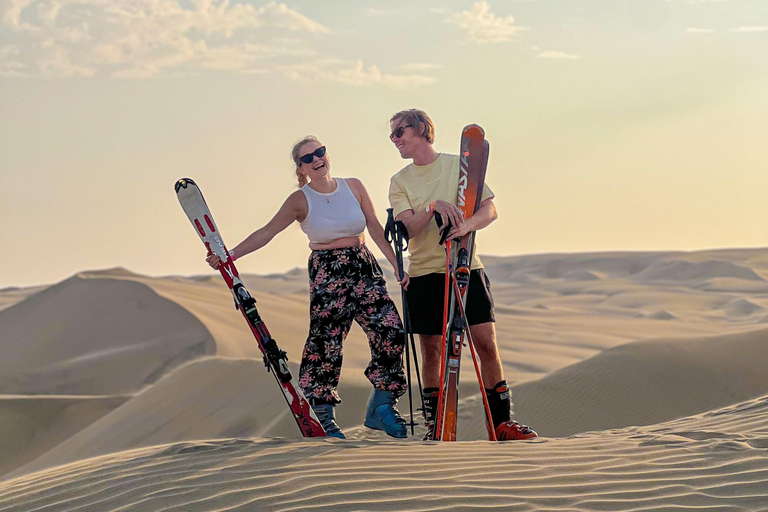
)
(395, 232)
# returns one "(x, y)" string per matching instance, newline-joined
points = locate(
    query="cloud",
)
(9, 66)
(355, 74)
(55, 61)
(739, 30)
(420, 66)
(557, 55)
(141, 38)
(372, 11)
(749, 29)
(482, 26)
(282, 16)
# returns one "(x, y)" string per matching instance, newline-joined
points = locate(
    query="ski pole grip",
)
(444, 229)
(401, 232)
(392, 235)
(389, 228)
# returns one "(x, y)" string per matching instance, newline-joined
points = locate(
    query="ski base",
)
(276, 361)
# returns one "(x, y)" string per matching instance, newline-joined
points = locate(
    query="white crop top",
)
(334, 215)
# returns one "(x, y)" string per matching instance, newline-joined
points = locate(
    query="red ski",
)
(194, 206)
(472, 167)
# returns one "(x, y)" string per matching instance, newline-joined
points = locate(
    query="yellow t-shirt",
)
(414, 188)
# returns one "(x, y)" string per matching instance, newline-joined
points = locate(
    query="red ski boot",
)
(512, 430)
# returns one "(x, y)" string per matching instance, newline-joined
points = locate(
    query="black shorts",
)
(426, 296)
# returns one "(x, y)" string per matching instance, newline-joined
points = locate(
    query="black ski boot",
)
(429, 411)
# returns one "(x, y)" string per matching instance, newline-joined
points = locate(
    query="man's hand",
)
(404, 281)
(482, 218)
(459, 231)
(449, 211)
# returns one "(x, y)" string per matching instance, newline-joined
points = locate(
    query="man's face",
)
(405, 138)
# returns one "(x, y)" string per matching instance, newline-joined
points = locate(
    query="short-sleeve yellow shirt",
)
(414, 188)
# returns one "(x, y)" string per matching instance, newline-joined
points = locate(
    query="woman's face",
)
(319, 166)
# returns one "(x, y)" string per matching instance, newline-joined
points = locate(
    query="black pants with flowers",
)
(345, 285)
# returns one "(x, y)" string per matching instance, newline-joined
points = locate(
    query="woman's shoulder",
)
(297, 195)
(356, 186)
(297, 199)
(353, 182)
(297, 202)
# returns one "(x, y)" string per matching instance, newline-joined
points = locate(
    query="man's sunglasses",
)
(309, 157)
(399, 131)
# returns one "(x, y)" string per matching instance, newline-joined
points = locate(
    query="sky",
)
(614, 125)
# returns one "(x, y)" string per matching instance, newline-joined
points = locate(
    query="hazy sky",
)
(613, 124)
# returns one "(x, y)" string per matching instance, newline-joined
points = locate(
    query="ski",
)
(276, 361)
(473, 161)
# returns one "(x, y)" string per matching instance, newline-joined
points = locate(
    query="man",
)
(427, 185)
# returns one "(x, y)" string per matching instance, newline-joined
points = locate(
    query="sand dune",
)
(742, 307)
(13, 295)
(655, 359)
(646, 382)
(209, 398)
(32, 425)
(714, 461)
(94, 336)
(695, 271)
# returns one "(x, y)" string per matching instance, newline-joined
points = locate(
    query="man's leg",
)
(499, 399)
(484, 337)
(425, 304)
(430, 377)
(430, 360)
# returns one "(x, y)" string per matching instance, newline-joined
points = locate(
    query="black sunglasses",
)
(309, 157)
(399, 131)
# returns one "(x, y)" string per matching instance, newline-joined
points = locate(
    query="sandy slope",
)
(95, 336)
(32, 425)
(714, 461)
(205, 399)
(589, 341)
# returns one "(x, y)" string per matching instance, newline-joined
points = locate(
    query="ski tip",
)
(474, 128)
(183, 183)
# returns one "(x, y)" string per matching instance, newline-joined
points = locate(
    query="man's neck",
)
(425, 155)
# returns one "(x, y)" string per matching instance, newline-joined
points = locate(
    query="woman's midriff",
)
(339, 243)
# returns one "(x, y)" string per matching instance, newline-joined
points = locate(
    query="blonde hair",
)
(295, 156)
(416, 118)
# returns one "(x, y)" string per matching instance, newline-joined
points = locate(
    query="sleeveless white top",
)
(334, 215)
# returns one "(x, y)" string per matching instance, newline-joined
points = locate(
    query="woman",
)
(346, 283)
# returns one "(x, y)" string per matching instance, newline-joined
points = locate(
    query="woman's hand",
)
(213, 260)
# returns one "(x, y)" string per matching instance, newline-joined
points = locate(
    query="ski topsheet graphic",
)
(194, 206)
(473, 161)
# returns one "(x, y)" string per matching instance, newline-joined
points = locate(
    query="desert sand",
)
(645, 375)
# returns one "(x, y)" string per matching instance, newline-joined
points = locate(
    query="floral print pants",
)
(345, 285)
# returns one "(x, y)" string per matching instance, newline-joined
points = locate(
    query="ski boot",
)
(429, 412)
(500, 403)
(324, 413)
(382, 414)
(512, 430)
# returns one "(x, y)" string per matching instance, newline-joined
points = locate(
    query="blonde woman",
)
(346, 284)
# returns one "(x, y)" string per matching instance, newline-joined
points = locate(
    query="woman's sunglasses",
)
(309, 157)
(399, 131)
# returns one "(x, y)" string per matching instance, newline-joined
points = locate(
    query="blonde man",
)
(427, 185)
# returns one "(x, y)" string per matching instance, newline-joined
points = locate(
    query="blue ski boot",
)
(324, 413)
(382, 414)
